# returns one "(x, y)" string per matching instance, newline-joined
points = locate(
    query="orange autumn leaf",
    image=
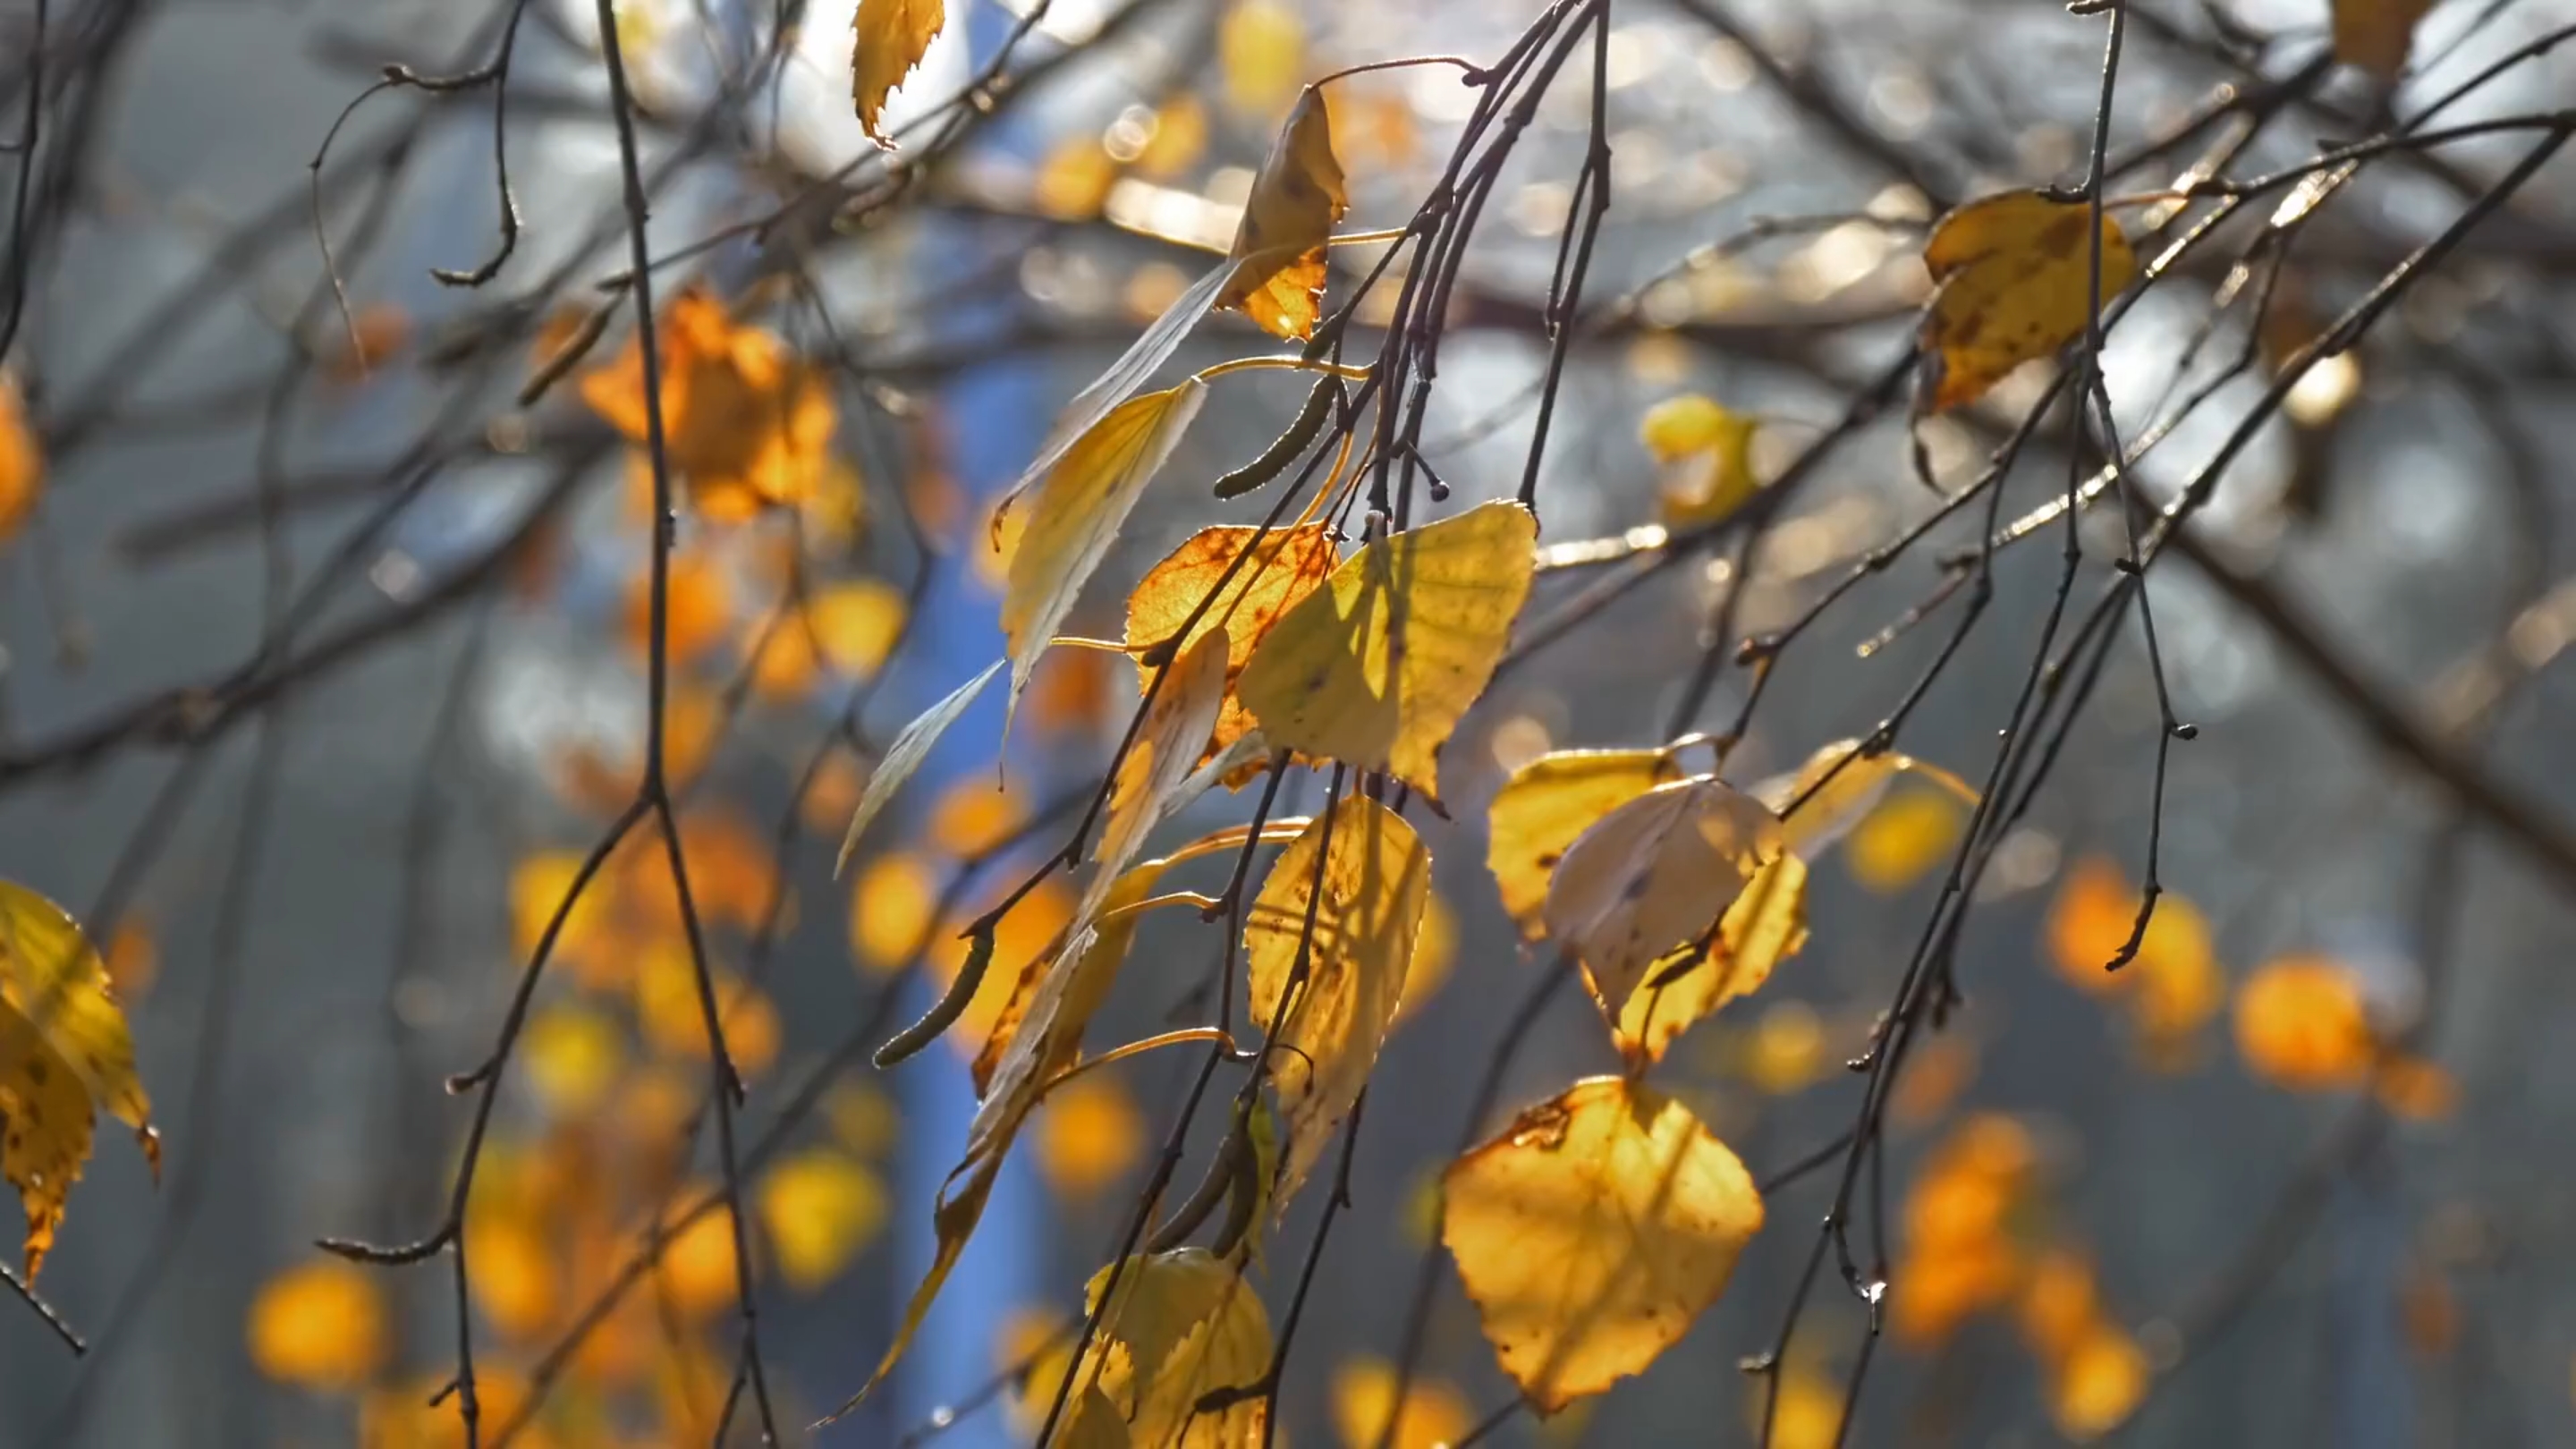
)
(1279, 250)
(890, 38)
(2171, 986)
(319, 1325)
(1069, 693)
(745, 422)
(699, 608)
(1958, 1256)
(2098, 1383)
(2416, 1089)
(891, 903)
(671, 1010)
(1433, 1414)
(696, 1274)
(818, 1209)
(2301, 1023)
(1247, 578)
(1090, 1135)
(373, 334)
(22, 463)
(2059, 1304)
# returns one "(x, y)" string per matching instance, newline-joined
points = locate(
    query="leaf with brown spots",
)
(2011, 273)
(1278, 568)
(64, 1051)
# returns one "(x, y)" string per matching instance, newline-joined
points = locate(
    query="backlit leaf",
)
(1283, 566)
(64, 1052)
(319, 1325)
(817, 1210)
(2171, 986)
(1707, 457)
(1652, 878)
(746, 422)
(1830, 797)
(1077, 510)
(2098, 1384)
(890, 908)
(1958, 1257)
(1549, 802)
(1279, 250)
(904, 758)
(1163, 755)
(1907, 835)
(2376, 34)
(1764, 926)
(1593, 1232)
(1089, 1136)
(573, 1055)
(1376, 668)
(892, 37)
(2012, 274)
(1261, 54)
(1343, 979)
(1182, 1324)
(2301, 1023)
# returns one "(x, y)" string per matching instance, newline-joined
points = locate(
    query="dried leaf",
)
(1593, 1232)
(1376, 668)
(1078, 509)
(1652, 879)
(1549, 802)
(2376, 34)
(64, 1052)
(2012, 274)
(1279, 249)
(1345, 977)
(1284, 566)
(892, 37)
(905, 756)
(1161, 758)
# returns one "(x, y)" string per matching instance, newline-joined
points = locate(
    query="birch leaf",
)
(1593, 1232)
(1279, 249)
(1166, 749)
(904, 757)
(1344, 982)
(1278, 569)
(1545, 805)
(1076, 515)
(892, 37)
(2011, 273)
(1182, 1325)
(1653, 877)
(1831, 797)
(1376, 668)
(1765, 926)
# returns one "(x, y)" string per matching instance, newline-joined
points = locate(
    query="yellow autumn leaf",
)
(891, 38)
(856, 622)
(2375, 35)
(1435, 952)
(319, 1325)
(1808, 1410)
(1707, 457)
(2059, 1304)
(1764, 926)
(697, 608)
(1278, 568)
(903, 759)
(1261, 55)
(1593, 1232)
(1907, 835)
(817, 1209)
(1376, 668)
(1958, 1257)
(2098, 1384)
(1546, 805)
(890, 909)
(864, 1119)
(1825, 798)
(1089, 1136)
(2011, 275)
(973, 815)
(1161, 757)
(1279, 252)
(697, 1276)
(22, 463)
(1077, 510)
(573, 1055)
(1341, 982)
(1652, 878)
(672, 1014)
(746, 422)
(1180, 1326)
(516, 1284)
(2171, 986)
(1434, 1413)
(64, 1053)
(2301, 1023)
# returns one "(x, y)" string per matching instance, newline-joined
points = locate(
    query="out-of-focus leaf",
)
(1434, 1413)
(1593, 1232)
(2012, 275)
(1279, 250)
(1707, 456)
(1341, 981)
(891, 38)
(1261, 55)
(2376, 34)
(1089, 1136)
(319, 1325)
(1375, 668)
(2098, 1384)
(2301, 1023)
(904, 758)
(22, 463)
(818, 1209)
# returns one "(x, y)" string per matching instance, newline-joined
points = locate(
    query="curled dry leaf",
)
(2376, 34)
(64, 1052)
(2012, 274)
(1375, 668)
(891, 38)
(1652, 879)
(1278, 568)
(1077, 511)
(1279, 250)
(1182, 1325)
(1593, 1232)
(903, 758)
(1343, 979)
